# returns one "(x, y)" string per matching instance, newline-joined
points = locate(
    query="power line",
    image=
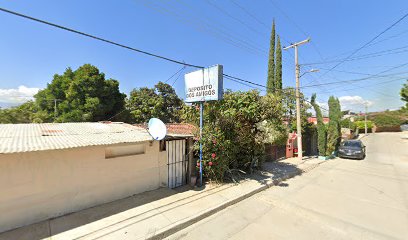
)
(366, 44)
(297, 26)
(345, 81)
(233, 17)
(183, 67)
(99, 38)
(367, 74)
(202, 25)
(117, 44)
(364, 56)
(360, 79)
(177, 78)
(249, 14)
(374, 43)
(229, 77)
(255, 45)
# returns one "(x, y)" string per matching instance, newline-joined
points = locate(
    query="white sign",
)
(204, 85)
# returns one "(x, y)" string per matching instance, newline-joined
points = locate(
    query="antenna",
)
(157, 129)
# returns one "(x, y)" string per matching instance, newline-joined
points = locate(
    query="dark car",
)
(352, 149)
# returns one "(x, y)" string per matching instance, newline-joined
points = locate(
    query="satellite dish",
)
(157, 129)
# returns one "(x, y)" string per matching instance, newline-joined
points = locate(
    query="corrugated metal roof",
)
(47, 136)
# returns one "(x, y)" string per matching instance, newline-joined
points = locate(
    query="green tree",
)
(271, 62)
(278, 66)
(236, 129)
(321, 128)
(25, 113)
(334, 128)
(81, 95)
(404, 94)
(289, 105)
(161, 102)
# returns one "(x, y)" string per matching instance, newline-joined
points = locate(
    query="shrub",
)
(389, 119)
(321, 128)
(361, 124)
(236, 130)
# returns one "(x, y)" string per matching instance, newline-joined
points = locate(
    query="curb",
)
(172, 229)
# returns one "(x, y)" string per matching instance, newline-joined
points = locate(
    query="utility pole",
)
(297, 74)
(55, 108)
(365, 118)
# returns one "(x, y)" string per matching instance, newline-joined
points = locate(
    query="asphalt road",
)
(340, 199)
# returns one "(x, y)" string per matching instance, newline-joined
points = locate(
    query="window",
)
(162, 147)
(122, 151)
(351, 144)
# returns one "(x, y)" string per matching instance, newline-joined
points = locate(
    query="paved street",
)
(341, 199)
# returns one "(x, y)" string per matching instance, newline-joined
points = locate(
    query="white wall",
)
(39, 185)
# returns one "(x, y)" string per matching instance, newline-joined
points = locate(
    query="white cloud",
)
(354, 102)
(324, 107)
(17, 95)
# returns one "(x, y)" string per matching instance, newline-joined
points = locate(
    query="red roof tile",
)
(175, 128)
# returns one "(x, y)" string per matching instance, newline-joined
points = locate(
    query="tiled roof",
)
(181, 129)
(48, 136)
(314, 120)
(175, 129)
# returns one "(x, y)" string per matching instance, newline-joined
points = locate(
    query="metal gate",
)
(177, 163)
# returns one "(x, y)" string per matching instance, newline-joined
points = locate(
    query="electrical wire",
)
(233, 17)
(144, 52)
(361, 57)
(359, 79)
(297, 26)
(249, 13)
(282, 91)
(366, 44)
(177, 78)
(204, 27)
(98, 38)
(183, 67)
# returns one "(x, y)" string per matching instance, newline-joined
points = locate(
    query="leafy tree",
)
(347, 123)
(81, 95)
(241, 124)
(321, 128)
(278, 66)
(361, 125)
(160, 102)
(389, 118)
(271, 62)
(25, 113)
(236, 129)
(404, 94)
(334, 128)
(289, 105)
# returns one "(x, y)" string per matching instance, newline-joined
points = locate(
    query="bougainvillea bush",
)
(236, 130)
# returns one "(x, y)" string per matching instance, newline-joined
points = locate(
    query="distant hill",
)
(8, 105)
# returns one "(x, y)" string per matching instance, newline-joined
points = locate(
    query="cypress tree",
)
(321, 128)
(271, 62)
(278, 66)
(334, 130)
(332, 133)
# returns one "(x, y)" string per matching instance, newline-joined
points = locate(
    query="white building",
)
(48, 170)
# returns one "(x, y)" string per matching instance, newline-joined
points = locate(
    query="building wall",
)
(39, 185)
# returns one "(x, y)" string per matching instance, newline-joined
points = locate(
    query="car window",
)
(351, 144)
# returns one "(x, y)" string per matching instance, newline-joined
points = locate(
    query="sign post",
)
(201, 86)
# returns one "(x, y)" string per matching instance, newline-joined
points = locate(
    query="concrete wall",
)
(39, 185)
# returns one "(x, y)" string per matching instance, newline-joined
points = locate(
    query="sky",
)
(234, 33)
